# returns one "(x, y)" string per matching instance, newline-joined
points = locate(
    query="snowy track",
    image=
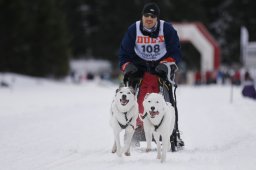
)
(54, 126)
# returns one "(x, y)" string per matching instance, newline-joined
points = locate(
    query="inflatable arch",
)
(197, 34)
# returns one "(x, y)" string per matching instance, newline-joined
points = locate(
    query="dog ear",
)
(121, 85)
(164, 103)
(117, 90)
(132, 90)
(146, 96)
(163, 99)
(161, 94)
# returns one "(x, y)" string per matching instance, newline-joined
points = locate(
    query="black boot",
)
(179, 141)
(176, 142)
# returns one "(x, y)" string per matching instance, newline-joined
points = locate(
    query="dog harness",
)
(128, 122)
(145, 115)
(156, 126)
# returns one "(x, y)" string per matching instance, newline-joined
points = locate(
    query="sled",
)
(168, 89)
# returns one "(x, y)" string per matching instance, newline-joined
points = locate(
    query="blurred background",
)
(81, 38)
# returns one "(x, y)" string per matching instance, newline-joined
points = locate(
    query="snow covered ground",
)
(46, 125)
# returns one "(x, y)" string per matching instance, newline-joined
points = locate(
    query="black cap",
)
(151, 8)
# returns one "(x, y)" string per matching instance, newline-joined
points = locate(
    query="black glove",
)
(161, 69)
(167, 70)
(130, 69)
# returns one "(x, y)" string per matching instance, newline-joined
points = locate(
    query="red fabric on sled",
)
(149, 84)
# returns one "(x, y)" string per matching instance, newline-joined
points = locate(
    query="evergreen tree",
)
(50, 47)
(225, 23)
(37, 37)
(107, 22)
(15, 31)
(34, 39)
(75, 12)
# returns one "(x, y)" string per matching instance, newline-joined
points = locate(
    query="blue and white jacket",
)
(157, 47)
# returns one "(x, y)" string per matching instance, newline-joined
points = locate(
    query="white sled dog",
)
(159, 120)
(124, 112)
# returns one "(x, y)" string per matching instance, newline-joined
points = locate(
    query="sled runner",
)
(168, 89)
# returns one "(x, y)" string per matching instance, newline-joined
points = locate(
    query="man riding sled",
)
(148, 55)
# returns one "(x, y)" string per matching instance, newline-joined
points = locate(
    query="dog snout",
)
(152, 108)
(123, 96)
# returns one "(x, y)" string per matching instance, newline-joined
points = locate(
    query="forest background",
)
(40, 37)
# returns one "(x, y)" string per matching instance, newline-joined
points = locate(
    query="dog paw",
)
(162, 160)
(148, 149)
(113, 150)
(127, 154)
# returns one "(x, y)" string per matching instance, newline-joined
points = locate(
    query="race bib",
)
(147, 48)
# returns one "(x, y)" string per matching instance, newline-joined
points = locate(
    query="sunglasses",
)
(149, 15)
